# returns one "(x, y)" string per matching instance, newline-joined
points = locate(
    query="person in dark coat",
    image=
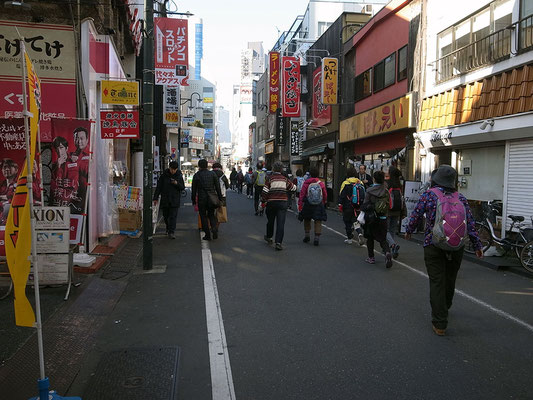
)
(315, 212)
(376, 224)
(205, 186)
(233, 179)
(395, 216)
(364, 177)
(349, 210)
(169, 187)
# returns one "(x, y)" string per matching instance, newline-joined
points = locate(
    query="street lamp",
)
(189, 100)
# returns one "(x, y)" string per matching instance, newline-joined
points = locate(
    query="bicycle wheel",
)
(5, 289)
(526, 256)
(519, 245)
(485, 237)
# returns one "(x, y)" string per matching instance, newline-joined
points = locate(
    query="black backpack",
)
(395, 199)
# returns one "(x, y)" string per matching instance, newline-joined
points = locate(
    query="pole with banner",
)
(21, 248)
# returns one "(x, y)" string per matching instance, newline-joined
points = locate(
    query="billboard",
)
(171, 51)
(330, 69)
(274, 80)
(290, 104)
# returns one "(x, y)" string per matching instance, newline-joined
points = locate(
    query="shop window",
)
(362, 85)
(385, 73)
(402, 63)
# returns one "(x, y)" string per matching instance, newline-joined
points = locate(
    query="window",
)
(526, 24)
(385, 73)
(323, 27)
(362, 85)
(402, 63)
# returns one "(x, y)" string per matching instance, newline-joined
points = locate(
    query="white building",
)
(476, 113)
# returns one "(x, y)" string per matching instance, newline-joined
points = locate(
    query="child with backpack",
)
(259, 178)
(351, 197)
(449, 222)
(376, 207)
(395, 210)
(312, 205)
(248, 179)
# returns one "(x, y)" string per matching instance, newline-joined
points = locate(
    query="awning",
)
(318, 149)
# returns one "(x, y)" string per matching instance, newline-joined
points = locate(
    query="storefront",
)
(269, 152)
(322, 157)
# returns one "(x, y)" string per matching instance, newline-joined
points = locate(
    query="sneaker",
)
(278, 246)
(361, 239)
(315, 242)
(307, 239)
(370, 260)
(396, 251)
(206, 237)
(438, 332)
(388, 257)
(348, 241)
(171, 236)
(257, 213)
(268, 240)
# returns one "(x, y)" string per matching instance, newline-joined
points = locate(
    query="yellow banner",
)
(120, 92)
(18, 226)
(388, 117)
(330, 81)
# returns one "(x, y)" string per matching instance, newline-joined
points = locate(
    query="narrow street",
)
(317, 322)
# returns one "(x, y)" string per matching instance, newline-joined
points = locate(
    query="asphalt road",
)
(319, 323)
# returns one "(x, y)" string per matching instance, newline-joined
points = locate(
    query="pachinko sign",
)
(171, 51)
(273, 85)
(290, 105)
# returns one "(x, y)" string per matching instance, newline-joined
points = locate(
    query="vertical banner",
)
(282, 127)
(274, 82)
(321, 113)
(290, 87)
(171, 106)
(171, 51)
(329, 80)
(295, 138)
(185, 136)
(70, 169)
(18, 226)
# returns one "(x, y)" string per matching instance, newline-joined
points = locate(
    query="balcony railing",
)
(488, 50)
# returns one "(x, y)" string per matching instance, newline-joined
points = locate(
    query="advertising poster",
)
(411, 197)
(321, 112)
(171, 51)
(171, 106)
(51, 49)
(274, 79)
(290, 87)
(70, 167)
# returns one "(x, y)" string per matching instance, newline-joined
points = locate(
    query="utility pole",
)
(148, 128)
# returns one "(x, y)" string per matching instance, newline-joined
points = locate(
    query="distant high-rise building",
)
(199, 49)
(223, 125)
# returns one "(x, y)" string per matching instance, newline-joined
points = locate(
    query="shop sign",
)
(171, 51)
(321, 112)
(120, 92)
(296, 142)
(329, 80)
(282, 127)
(51, 49)
(184, 140)
(443, 137)
(290, 103)
(246, 93)
(269, 147)
(274, 75)
(51, 218)
(208, 100)
(119, 124)
(188, 120)
(171, 106)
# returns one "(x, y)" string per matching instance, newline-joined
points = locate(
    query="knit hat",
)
(445, 176)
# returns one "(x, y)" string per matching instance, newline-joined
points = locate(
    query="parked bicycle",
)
(518, 237)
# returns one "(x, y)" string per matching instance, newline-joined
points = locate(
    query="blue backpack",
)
(314, 193)
(358, 194)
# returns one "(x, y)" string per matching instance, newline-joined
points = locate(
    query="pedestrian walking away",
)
(376, 206)
(240, 180)
(233, 179)
(364, 177)
(259, 178)
(221, 212)
(312, 205)
(448, 223)
(248, 179)
(207, 195)
(397, 209)
(274, 198)
(169, 187)
(299, 183)
(351, 198)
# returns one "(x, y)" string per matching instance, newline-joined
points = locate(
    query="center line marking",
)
(221, 377)
(473, 299)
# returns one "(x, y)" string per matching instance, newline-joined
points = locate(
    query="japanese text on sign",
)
(291, 87)
(171, 106)
(329, 80)
(119, 124)
(120, 92)
(321, 112)
(171, 51)
(274, 95)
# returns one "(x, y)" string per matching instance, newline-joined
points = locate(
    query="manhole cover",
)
(136, 374)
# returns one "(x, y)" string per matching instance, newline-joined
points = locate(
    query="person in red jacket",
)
(312, 205)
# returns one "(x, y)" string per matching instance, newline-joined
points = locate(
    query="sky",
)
(228, 26)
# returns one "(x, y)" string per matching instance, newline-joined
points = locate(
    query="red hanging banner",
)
(274, 95)
(119, 124)
(290, 106)
(321, 111)
(171, 51)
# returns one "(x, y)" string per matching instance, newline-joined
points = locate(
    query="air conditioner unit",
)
(367, 9)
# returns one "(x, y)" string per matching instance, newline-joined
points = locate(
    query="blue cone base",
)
(52, 395)
(45, 394)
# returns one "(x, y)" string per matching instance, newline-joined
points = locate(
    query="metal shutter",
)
(520, 180)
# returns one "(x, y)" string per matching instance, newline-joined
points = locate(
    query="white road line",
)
(221, 377)
(473, 299)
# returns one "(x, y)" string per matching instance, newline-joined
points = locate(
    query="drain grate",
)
(136, 374)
